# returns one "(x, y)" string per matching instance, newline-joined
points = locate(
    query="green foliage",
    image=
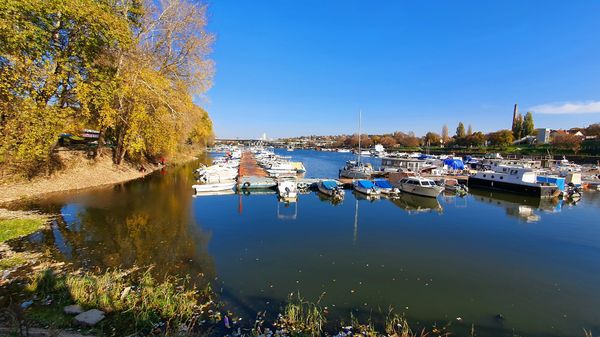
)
(528, 127)
(460, 130)
(136, 299)
(517, 129)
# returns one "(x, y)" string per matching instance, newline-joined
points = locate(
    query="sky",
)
(307, 67)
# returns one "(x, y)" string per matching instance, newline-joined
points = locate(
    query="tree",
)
(501, 138)
(129, 68)
(475, 139)
(432, 139)
(593, 130)
(460, 130)
(567, 141)
(469, 130)
(518, 127)
(528, 127)
(445, 136)
(388, 141)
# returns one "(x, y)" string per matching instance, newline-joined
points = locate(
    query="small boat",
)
(287, 189)
(366, 187)
(385, 187)
(420, 186)
(452, 185)
(330, 188)
(224, 186)
(290, 148)
(356, 170)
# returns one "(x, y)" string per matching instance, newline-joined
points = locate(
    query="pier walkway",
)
(249, 167)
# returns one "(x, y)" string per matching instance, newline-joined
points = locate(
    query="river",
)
(534, 262)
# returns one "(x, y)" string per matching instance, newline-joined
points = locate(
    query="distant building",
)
(543, 136)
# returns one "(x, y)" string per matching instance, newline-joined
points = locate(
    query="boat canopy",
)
(383, 183)
(454, 163)
(365, 184)
(330, 184)
(558, 181)
(425, 156)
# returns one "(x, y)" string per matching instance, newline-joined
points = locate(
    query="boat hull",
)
(213, 187)
(431, 192)
(352, 174)
(367, 191)
(541, 191)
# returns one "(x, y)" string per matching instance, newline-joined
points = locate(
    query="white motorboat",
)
(366, 187)
(330, 188)
(224, 186)
(287, 189)
(420, 186)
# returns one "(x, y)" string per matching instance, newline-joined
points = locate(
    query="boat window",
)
(492, 177)
(501, 177)
(484, 175)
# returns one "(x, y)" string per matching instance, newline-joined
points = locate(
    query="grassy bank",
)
(132, 300)
(14, 224)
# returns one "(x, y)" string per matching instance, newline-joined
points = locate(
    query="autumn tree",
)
(469, 130)
(432, 139)
(388, 141)
(567, 141)
(500, 138)
(445, 136)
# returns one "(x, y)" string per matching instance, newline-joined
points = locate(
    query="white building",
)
(543, 136)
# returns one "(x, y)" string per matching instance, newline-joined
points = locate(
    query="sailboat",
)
(357, 169)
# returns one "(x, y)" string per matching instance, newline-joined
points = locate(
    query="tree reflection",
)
(140, 223)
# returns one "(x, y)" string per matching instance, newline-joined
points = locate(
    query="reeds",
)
(136, 299)
(301, 317)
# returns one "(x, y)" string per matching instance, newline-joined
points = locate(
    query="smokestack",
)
(515, 113)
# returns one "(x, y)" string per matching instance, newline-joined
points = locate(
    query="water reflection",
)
(133, 224)
(524, 208)
(417, 204)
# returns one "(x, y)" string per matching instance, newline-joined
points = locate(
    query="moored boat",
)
(519, 180)
(366, 187)
(224, 186)
(385, 187)
(420, 186)
(330, 188)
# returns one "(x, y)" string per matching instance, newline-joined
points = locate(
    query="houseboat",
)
(515, 179)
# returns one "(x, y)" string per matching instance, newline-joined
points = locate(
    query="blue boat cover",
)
(454, 163)
(383, 183)
(558, 181)
(425, 156)
(330, 184)
(365, 184)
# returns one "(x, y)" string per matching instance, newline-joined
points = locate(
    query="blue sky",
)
(299, 67)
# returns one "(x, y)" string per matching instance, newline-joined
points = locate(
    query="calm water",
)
(536, 263)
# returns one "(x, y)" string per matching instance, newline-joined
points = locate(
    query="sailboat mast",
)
(359, 121)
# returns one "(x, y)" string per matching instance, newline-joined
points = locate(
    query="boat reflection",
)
(362, 196)
(335, 201)
(523, 207)
(417, 204)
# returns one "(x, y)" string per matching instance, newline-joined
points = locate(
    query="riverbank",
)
(81, 173)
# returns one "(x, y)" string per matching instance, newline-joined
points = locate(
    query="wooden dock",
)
(249, 167)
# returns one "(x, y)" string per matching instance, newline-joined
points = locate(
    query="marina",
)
(531, 260)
